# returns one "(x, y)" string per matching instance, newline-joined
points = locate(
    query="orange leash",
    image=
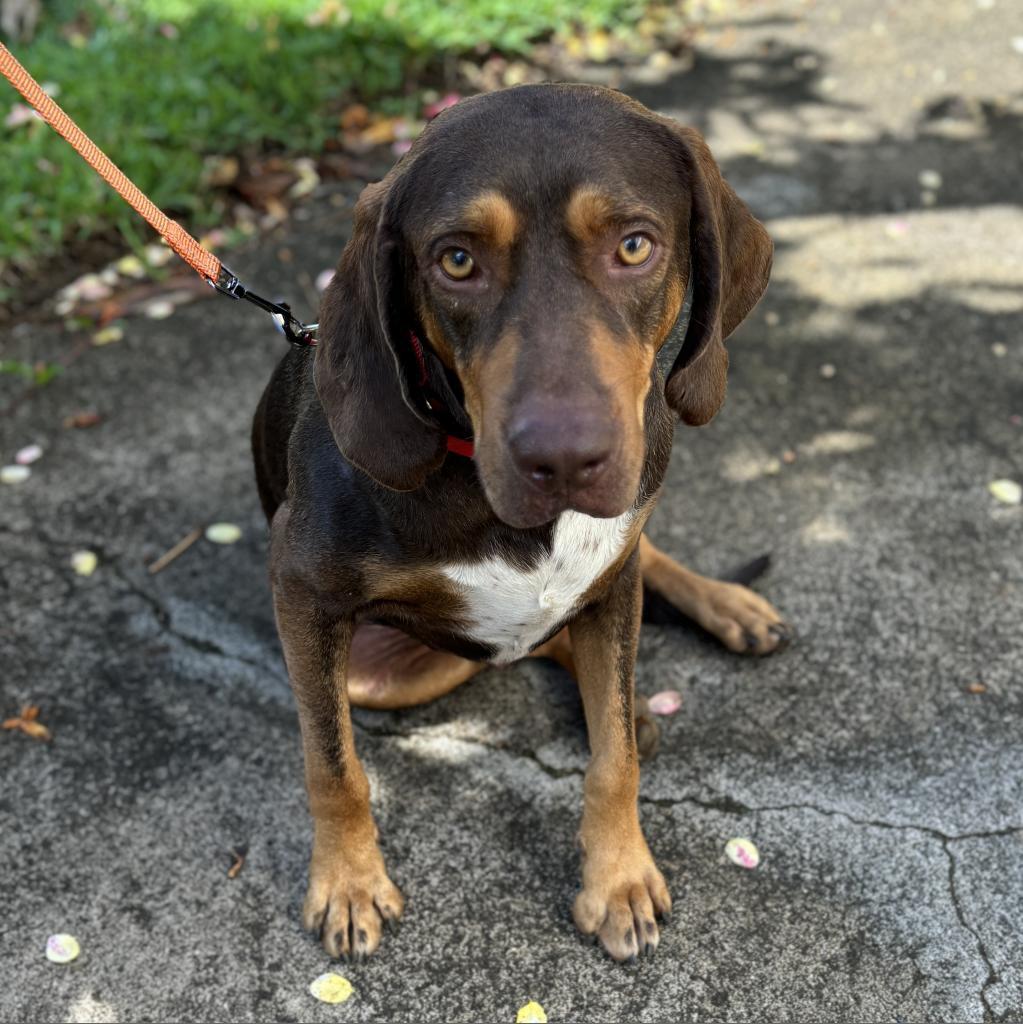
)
(199, 258)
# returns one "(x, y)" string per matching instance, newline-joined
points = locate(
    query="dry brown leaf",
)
(82, 420)
(36, 730)
(239, 863)
(27, 723)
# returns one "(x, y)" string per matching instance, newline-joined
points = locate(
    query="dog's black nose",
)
(561, 449)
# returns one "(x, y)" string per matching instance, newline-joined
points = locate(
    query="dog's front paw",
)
(623, 893)
(741, 619)
(349, 901)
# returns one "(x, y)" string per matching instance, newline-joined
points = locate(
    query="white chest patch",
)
(512, 610)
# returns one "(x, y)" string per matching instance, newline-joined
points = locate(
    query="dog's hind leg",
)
(741, 619)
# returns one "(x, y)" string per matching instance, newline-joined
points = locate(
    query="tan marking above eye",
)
(587, 212)
(491, 215)
(457, 264)
(635, 249)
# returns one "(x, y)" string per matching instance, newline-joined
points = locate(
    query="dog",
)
(460, 472)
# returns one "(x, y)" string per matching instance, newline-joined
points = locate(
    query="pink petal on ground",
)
(667, 702)
(431, 110)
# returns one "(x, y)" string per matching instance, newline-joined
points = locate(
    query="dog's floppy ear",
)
(730, 254)
(359, 371)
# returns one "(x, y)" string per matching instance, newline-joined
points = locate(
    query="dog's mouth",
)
(525, 502)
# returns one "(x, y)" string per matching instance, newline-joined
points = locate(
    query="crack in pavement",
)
(992, 975)
(728, 805)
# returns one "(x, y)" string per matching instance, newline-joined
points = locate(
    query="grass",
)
(162, 84)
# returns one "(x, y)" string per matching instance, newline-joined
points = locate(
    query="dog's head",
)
(540, 241)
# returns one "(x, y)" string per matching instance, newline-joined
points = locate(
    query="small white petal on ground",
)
(62, 948)
(223, 533)
(29, 454)
(1006, 491)
(14, 474)
(743, 853)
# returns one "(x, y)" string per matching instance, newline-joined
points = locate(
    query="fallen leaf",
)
(976, 688)
(531, 1013)
(36, 730)
(82, 420)
(84, 562)
(355, 117)
(239, 863)
(221, 170)
(331, 988)
(743, 853)
(1006, 491)
(788, 456)
(667, 702)
(27, 722)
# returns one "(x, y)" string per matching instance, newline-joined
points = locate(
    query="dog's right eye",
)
(457, 264)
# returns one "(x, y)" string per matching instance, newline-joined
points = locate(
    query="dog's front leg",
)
(350, 896)
(622, 889)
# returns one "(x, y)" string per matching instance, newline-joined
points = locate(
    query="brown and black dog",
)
(552, 271)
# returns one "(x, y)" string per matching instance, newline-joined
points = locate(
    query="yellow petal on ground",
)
(332, 988)
(1006, 491)
(62, 949)
(84, 562)
(108, 335)
(223, 533)
(531, 1013)
(130, 266)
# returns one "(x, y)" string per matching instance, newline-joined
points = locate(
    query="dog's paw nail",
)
(783, 632)
(751, 641)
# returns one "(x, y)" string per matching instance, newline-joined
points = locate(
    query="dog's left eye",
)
(457, 264)
(635, 250)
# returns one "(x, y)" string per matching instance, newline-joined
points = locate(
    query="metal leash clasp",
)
(293, 329)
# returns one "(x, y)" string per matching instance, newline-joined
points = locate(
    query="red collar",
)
(456, 445)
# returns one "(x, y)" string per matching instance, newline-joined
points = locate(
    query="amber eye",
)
(457, 264)
(635, 250)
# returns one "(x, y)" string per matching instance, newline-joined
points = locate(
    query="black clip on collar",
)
(294, 330)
